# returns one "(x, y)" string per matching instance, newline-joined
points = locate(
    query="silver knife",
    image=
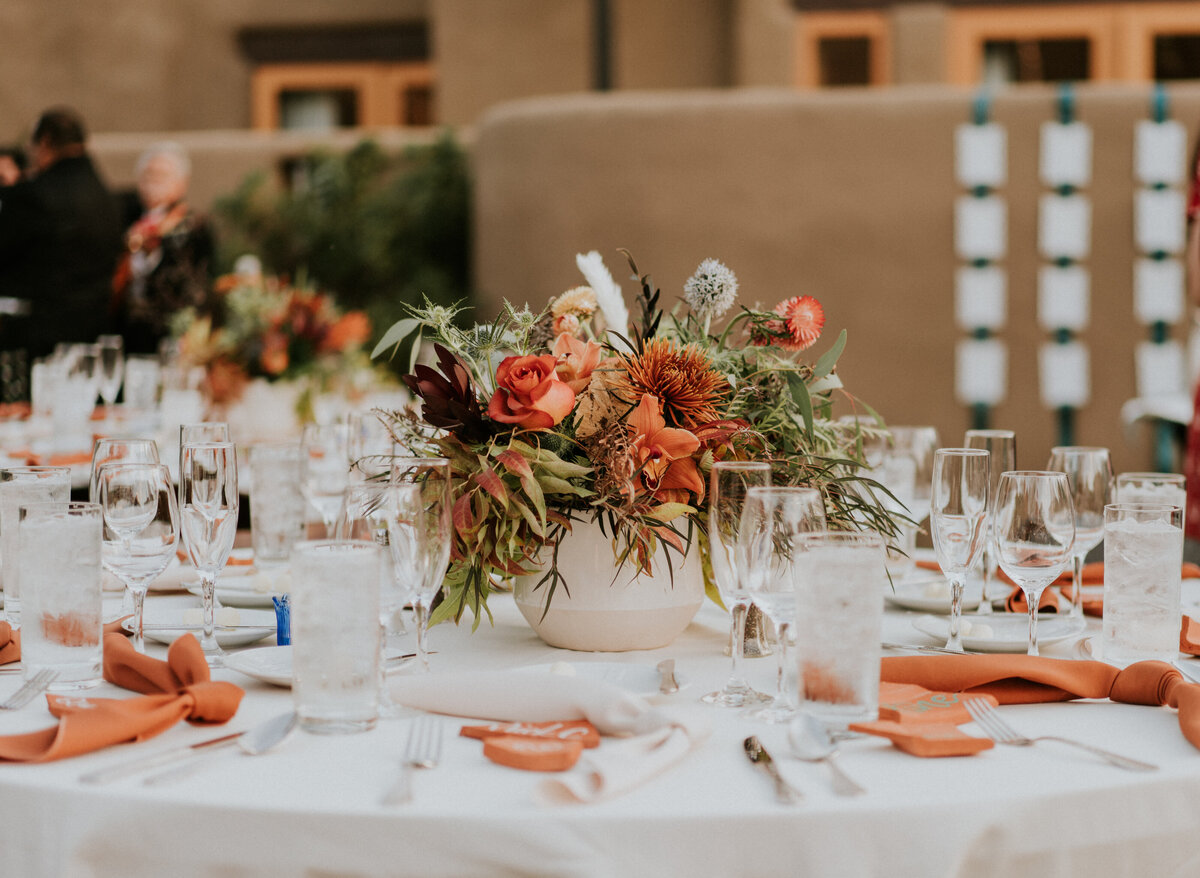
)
(163, 757)
(913, 648)
(785, 793)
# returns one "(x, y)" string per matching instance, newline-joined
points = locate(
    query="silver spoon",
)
(812, 742)
(259, 740)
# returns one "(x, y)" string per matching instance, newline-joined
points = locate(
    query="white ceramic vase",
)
(603, 610)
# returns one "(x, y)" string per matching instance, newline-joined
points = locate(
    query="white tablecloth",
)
(311, 808)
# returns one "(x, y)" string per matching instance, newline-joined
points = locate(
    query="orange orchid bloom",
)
(576, 361)
(668, 471)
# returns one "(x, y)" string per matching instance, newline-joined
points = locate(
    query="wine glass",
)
(427, 573)
(110, 451)
(203, 431)
(1034, 530)
(729, 483)
(141, 528)
(325, 469)
(771, 518)
(1002, 446)
(111, 350)
(1089, 471)
(208, 507)
(373, 511)
(959, 516)
(918, 443)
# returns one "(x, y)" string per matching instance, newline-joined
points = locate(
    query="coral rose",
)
(576, 360)
(529, 394)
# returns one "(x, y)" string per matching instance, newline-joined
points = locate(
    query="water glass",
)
(142, 377)
(1002, 446)
(19, 486)
(1143, 548)
(60, 575)
(839, 624)
(276, 502)
(917, 443)
(959, 516)
(335, 635)
(1089, 471)
(326, 461)
(898, 473)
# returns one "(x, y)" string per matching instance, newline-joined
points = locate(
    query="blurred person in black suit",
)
(60, 235)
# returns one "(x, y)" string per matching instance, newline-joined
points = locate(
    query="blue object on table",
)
(283, 618)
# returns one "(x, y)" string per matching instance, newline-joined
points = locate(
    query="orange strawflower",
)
(803, 318)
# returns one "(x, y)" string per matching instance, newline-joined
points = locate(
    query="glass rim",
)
(992, 434)
(1078, 449)
(1142, 507)
(35, 469)
(207, 446)
(1034, 473)
(112, 464)
(867, 539)
(961, 452)
(1148, 475)
(70, 506)
(224, 424)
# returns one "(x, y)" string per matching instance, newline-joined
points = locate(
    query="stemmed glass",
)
(374, 511)
(111, 349)
(141, 528)
(1034, 531)
(730, 481)
(208, 505)
(204, 431)
(325, 469)
(1002, 446)
(959, 516)
(771, 519)
(1089, 471)
(432, 537)
(110, 451)
(917, 443)
(370, 445)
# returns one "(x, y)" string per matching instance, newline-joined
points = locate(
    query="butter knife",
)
(785, 793)
(163, 757)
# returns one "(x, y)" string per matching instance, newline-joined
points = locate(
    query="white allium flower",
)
(712, 290)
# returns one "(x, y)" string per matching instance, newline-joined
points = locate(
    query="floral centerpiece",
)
(269, 328)
(572, 415)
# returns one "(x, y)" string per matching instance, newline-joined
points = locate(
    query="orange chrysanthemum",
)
(804, 318)
(682, 379)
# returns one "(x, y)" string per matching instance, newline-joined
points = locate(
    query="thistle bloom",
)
(576, 360)
(664, 454)
(803, 318)
(712, 290)
(529, 394)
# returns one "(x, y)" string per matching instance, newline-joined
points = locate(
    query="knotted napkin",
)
(179, 688)
(655, 738)
(1025, 679)
(10, 644)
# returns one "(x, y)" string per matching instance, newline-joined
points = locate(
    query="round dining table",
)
(312, 807)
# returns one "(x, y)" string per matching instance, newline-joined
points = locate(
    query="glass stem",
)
(208, 594)
(384, 699)
(420, 620)
(1033, 598)
(737, 644)
(139, 601)
(954, 641)
(1077, 588)
(782, 693)
(985, 598)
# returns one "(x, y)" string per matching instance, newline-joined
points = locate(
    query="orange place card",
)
(574, 730)
(908, 704)
(927, 740)
(532, 754)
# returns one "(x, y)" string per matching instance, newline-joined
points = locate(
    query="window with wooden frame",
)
(1158, 41)
(843, 49)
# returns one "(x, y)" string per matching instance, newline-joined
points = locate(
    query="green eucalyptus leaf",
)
(829, 359)
(399, 331)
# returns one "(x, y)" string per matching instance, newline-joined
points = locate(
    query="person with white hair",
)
(169, 252)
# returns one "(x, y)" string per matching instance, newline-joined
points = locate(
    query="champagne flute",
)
(729, 482)
(111, 349)
(1035, 530)
(771, 519)
(208, 507)
(141, 528)
(1002, 446)
(1089, 471)
(109, 451)
(373, 511)
(325, 460)
(433, 536)
(959, 516)
(203, 431)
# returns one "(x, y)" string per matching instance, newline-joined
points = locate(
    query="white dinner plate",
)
(638, 679)
(931, 594)
(1010, 631)
(247, 598)
(273, 664)
(229, 638)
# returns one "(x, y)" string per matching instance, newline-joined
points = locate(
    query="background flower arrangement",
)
(572, 415)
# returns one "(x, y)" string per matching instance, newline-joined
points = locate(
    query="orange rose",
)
(529, 394)
(669, 473)
(350, 331)
(576, 360)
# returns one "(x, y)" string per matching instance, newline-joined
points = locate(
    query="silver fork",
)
(988, 719)
(29, 689)
(423, 750)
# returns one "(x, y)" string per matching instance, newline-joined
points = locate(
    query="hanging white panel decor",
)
(980, 298)
(1063, 297)
(1064, 373)
(980, 156)
(1160, 152)
(1066, 154)
(1158, 290)
(1064, 227)
(980, 228)
(981, 367)
(1161, 369)
(1159, 220)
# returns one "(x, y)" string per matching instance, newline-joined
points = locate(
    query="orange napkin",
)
(179, 688)
(1189, 636)
(68, 459)
(1016, 602)
(231, 561)
(1093, 573)
(10, 641)
(1023, 679)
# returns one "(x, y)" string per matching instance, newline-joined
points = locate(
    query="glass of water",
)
(839, 621)
(326, 469)
(60, 577)
(1002, 446)
(21, 485)
(1143, 548)
(335, 635)
(110, 368)
(960, 506)
(276, 502)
